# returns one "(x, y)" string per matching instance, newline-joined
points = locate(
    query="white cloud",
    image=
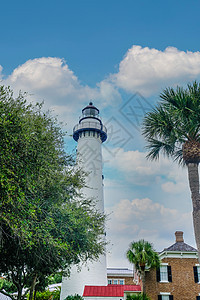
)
(49, 77)
(125, 210)
(148, 70)
(164, 208)
(108, 94)
(140, 171)
(174, 188)
(144, 219)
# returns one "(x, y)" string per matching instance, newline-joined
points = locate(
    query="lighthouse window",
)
(90, 112)
(93, 133)
(88, 133)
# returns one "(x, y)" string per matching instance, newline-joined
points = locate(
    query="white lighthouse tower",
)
(90, 133)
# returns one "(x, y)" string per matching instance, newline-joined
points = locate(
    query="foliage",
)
(173, 122)
(45, 224)
(75, 297)
(144, 257)
(56, 294)
(138, 297)
(8, 286)
(55, 278)
(44, 295)
(47, 295)
(173, 128)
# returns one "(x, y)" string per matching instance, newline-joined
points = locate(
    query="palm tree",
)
(144, 257)
(173, 128)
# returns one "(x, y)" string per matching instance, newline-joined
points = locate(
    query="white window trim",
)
(164, 281)
(198, 265)
(165, 294)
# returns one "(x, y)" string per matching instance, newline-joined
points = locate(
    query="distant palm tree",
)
(173, 128)
(144, 257)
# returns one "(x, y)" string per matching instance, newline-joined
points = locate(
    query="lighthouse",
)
(89, 133)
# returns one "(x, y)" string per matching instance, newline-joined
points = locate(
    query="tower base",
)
(94, 273)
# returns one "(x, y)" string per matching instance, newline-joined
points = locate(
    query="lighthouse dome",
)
(90, 111)
(90, 124)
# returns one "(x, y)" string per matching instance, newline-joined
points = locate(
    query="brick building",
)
(179, 275)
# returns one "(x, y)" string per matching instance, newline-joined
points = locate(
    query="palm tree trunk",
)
(193, 177)
(143, 282)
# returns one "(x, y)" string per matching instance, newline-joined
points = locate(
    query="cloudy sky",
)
(120, 55)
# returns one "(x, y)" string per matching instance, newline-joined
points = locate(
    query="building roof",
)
(111, 290)
(180, 246)
(119, 271)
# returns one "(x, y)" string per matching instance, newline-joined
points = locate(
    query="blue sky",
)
(121, 54)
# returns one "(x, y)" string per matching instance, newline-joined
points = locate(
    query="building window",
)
(165, 297)
(164, 274)
(196, 273)
(116, 281)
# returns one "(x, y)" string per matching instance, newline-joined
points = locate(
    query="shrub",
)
(47, 295)
(75, 297)
(138, 297)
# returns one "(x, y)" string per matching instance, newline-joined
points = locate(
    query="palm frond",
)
(141, 253)
(175, 120)
(155, 147)
(178, 157)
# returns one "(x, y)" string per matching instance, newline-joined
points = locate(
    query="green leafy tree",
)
(7, 286)
(45, 224)
(173, 128)
(144, 257)
(47, 295)
(55, 278)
